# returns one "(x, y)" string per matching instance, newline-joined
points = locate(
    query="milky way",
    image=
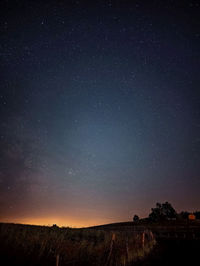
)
(99, 109)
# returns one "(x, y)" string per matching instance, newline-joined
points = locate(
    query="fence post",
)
(143, 238)
(127, 250)
(152, 236)
(111, 248)
(57, 259)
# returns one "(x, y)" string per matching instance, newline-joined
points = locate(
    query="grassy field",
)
(41, 245)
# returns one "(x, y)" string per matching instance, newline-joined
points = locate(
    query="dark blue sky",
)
(99, 109)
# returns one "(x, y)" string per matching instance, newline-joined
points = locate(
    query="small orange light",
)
(191, 216)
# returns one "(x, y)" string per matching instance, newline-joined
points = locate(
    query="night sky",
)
(99, 109)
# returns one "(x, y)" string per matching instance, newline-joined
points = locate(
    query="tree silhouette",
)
(184, 215)
(162, 211)
(197, 214)
(136, 218)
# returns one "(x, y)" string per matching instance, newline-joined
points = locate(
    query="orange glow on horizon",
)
(65, 222)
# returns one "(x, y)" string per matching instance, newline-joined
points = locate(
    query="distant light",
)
(191, 216)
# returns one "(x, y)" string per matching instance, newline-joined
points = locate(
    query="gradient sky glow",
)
(99, 109)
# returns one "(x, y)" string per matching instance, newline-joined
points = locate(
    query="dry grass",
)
(40, 245)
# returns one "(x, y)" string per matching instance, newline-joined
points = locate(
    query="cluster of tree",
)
(162, 211)
(165, 211)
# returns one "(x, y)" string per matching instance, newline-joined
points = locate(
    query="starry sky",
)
(99, 109)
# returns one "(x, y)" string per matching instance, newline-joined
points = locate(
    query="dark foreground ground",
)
(165, 253)
(39, 245)
(173, 252)
(29, 245)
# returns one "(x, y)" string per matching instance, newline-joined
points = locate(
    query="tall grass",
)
(41, 245)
